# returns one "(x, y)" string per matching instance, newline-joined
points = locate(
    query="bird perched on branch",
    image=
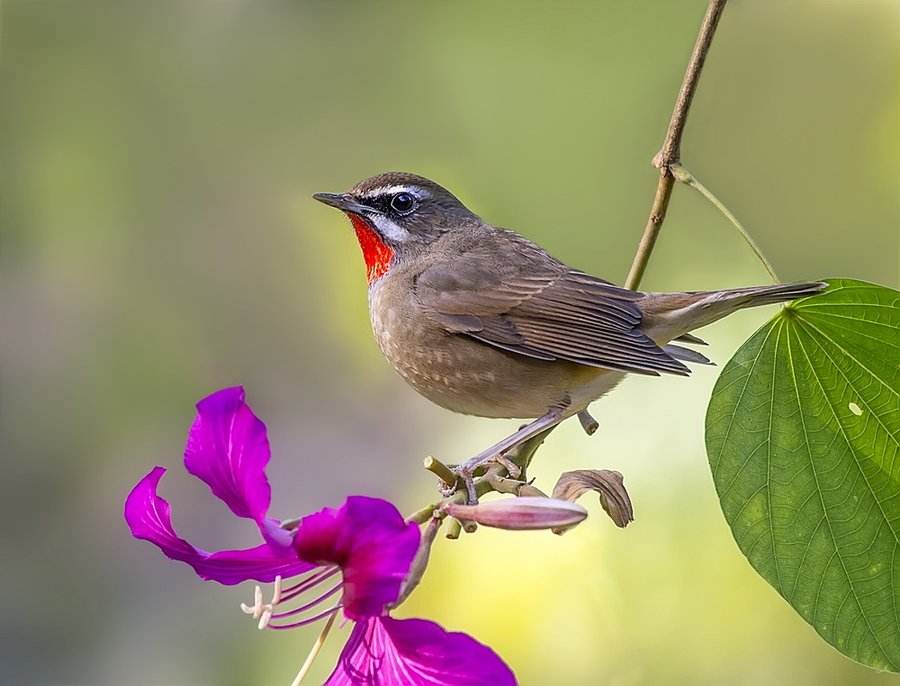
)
(483, 321)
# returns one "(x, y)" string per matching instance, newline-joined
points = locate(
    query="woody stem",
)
(520, 456)
(670, 153)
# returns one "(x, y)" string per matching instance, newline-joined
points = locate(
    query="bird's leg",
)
(588, 423)
(466, 470)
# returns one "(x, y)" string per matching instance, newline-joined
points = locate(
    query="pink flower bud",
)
(521, 513)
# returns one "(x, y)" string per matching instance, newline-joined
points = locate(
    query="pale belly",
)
(466, 376)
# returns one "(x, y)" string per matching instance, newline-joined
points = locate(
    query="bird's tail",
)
(671, 315)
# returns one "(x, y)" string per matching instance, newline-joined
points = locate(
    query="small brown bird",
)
(483, 321)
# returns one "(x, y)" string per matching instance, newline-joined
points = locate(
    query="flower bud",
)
(521, 513)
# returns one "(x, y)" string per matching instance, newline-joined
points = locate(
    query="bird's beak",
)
(342, 201)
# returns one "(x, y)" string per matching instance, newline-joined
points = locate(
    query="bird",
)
(483, 321)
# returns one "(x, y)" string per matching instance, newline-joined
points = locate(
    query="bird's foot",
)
(467, 470)
(467, 477)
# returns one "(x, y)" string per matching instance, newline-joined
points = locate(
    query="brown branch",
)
(670, 153)
(496, 478)
(520, 456)
(440, 470)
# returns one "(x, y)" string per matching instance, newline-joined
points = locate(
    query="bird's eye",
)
(403, 203)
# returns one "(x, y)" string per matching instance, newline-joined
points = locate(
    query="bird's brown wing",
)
(505, 291)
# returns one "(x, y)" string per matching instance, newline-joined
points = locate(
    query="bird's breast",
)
(464, 375)
(410, 340)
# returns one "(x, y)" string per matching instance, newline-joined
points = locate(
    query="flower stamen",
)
(263, 611)
(327, 594)
(308, 583)
(256, 609)
(310, 620)
(314, 652)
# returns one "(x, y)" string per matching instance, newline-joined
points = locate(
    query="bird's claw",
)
(464, 475)
(449, 489)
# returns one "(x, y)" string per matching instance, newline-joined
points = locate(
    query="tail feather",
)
(670, 316)
(769, 295)
(687, 355)
(691, 339)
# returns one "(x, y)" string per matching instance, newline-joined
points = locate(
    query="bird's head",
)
(397, 215)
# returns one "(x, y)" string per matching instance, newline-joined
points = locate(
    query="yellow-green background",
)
(158, 241)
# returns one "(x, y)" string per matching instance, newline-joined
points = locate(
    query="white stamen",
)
(263, 611)
(276, 591)
(256, 608)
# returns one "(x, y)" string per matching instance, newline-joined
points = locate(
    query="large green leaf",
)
(802, 436)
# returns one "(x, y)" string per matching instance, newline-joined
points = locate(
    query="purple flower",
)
(366, 540)
(414, 652)
(369, 541)
(226, 448)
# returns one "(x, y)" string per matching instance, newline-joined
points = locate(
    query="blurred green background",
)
(158, 241)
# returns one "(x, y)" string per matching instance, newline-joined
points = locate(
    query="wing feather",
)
(505, 291)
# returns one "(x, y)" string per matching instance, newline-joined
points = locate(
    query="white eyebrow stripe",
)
(417, 191)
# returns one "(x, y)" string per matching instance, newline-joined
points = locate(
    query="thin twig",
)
(502, 484)
(290, 524)
(454, 529)
(670, 153)
(520, 456)
(440, 470)
(684, 176)
(422, 515)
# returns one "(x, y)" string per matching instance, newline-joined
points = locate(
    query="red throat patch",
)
(376, 252)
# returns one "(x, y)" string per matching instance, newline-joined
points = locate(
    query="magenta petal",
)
(262, 563)
(415, 652)
(227, 448)
(371, 542)
(149, 517)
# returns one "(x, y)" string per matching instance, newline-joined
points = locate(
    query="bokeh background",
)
(158, 241)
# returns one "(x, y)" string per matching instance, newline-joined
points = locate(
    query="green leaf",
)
(802, 436)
